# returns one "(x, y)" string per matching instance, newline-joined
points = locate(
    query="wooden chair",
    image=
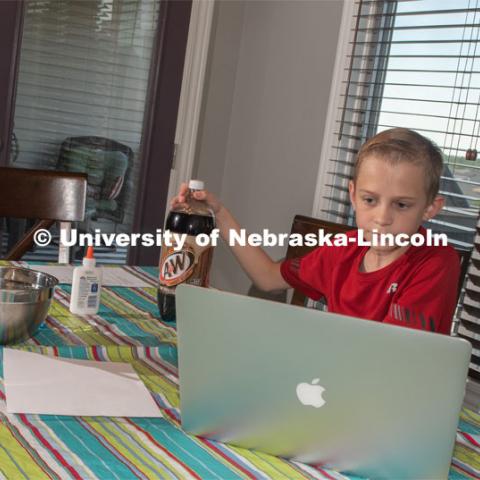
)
(304, 225)
(465, 256)
(46, 196)
(109, 165)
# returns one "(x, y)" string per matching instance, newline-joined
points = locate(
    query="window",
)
(80, 104)
(415, 64)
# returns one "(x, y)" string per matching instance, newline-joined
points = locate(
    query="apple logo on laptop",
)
(311, 393)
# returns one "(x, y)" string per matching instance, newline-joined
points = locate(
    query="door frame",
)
(11, 26)
(158, 142)
(191, 96)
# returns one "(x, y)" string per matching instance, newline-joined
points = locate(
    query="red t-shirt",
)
(417, 290)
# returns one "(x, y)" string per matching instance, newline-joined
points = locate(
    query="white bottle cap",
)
(88, 262)
(196, 185)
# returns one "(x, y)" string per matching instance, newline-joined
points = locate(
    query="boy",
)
(394, 189)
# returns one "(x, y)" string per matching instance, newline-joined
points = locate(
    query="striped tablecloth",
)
(127, 329)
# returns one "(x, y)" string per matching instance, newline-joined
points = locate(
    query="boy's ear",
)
(434, 208)
(351, 191)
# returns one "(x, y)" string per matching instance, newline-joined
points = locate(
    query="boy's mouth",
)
(378, 232)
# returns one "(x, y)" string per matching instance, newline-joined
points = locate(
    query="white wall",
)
(264, 112)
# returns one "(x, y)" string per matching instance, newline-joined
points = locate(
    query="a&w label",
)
(177, 267)
(190, 265)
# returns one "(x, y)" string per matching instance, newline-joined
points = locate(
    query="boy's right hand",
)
(263, 271)
(203, 195)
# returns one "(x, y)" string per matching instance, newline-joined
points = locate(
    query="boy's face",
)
(391, 198)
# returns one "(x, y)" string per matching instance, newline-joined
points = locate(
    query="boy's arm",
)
(262, 270)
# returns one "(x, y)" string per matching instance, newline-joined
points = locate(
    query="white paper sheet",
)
(112, 276)
(36, 383)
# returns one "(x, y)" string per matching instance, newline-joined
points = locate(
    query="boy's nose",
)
(383, 216)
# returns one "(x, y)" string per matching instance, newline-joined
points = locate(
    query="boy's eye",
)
(368, 200)
(402, 205)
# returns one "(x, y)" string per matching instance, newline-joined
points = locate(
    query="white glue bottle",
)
(86, 286)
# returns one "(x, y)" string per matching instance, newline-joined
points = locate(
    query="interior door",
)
(93, 86)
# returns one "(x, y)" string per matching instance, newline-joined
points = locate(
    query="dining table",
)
(128, 329)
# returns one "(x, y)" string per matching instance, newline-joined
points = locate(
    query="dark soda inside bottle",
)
(191, 264)
(181, 222)
(166, 306)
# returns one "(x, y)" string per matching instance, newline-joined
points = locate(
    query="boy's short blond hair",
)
(404, 145)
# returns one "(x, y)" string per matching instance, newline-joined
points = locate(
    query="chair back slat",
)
(46, 196)
(42, 194)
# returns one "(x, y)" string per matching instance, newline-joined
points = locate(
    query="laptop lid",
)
(355, 395)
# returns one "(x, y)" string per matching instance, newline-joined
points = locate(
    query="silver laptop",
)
(354, 395)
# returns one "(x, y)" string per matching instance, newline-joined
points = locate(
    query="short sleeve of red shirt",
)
(312, 269)
(428, 300)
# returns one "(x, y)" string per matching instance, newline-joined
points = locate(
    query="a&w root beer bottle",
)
(192, 263)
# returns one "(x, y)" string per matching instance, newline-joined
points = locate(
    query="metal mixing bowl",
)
(25, 297)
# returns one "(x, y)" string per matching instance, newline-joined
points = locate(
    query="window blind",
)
(84, 69)
(414, 64)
